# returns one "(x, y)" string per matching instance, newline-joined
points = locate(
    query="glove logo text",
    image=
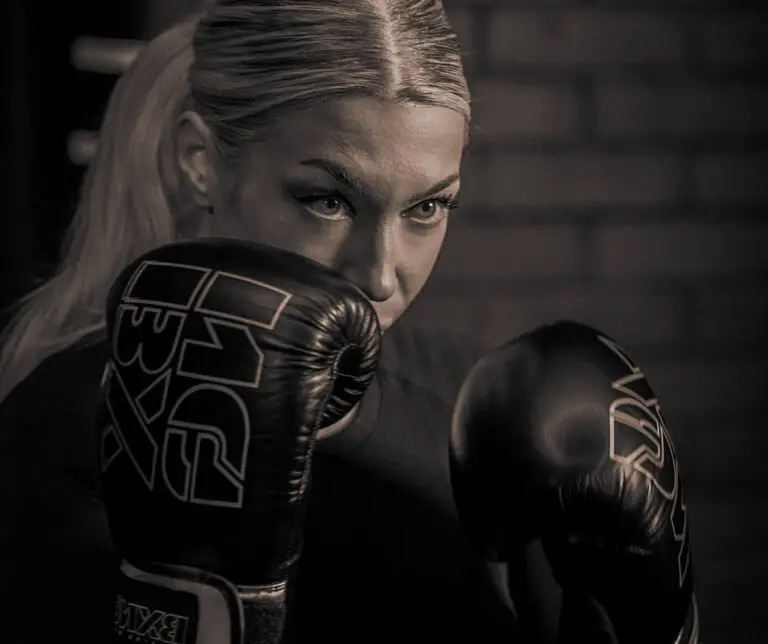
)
(639, 438)
(143, 624)
(177, 357)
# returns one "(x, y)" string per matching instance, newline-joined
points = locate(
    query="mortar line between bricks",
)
(480, 19)
(752, 72)
(688, 328)
(586, 91)
(588, 245)
(660, 215)
(755, 145)
(661, 7)
(533, 285)
(686, 184)
(692, 59)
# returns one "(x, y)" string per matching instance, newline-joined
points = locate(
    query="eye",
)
(331, 207)
(432, 211)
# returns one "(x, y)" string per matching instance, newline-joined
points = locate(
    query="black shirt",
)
(384, 557)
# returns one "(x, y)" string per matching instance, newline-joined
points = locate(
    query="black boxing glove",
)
(558, 436)
(226, 359)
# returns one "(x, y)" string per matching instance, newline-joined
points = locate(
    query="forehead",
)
(373, 138)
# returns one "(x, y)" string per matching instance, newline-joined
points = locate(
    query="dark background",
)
(618, 176)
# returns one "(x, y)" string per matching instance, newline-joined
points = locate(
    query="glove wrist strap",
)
(181, 605)
(689, 634)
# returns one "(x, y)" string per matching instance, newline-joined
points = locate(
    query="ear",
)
(195, 154)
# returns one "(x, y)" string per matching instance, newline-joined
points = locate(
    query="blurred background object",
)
(60, 63)
(617, 176)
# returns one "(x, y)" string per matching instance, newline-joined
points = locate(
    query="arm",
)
(55, 549)
(206, 482)
(529, 590)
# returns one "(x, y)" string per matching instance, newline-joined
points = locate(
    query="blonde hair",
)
(242, 65)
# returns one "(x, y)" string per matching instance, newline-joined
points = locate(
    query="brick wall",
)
(618, 176)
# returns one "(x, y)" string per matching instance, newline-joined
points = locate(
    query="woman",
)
(331, 129)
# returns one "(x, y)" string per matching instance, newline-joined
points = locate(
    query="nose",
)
(370, 261)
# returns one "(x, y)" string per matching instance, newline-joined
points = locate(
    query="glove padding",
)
(557, 436)
(226, 359)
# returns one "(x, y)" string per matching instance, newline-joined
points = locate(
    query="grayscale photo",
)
(383, 321)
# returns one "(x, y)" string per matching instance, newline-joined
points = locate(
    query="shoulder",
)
(430, 357)
(47, 420)
(51, 517)
(60, 380)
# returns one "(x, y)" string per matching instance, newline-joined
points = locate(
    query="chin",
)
(386, 318)
(390, 311)
(385, 323)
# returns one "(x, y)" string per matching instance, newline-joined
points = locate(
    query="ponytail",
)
(124, 209)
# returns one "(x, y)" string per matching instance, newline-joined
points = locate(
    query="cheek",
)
(258, 212)
(422, 251)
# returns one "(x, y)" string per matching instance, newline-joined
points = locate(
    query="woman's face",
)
(360, 185)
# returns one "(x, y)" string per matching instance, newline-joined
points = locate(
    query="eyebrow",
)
(342, 175)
